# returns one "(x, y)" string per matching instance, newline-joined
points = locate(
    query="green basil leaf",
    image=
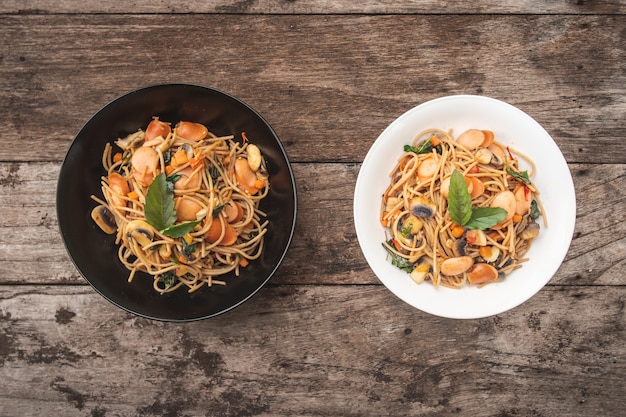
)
(217, 210)
(406, 230)
(424, 147)
(459, 199)
(168, 279)
(214, 171)
(171, 180)
(399, 261)
(534, 210)
(179, 230)
(522, 176)
(485, 217)
(188, 249)
(159, 207)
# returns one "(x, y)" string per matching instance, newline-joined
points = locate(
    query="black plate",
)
(95, 254)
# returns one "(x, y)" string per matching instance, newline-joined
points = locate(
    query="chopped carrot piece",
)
(133, 195)
(195, 162)
(182, 259)
(485, 251)
(435, 141)
(181, 157)
(383, 220)
(457, 231)
(169, 169)
(517, 218)
(243, 262)
(117, 157)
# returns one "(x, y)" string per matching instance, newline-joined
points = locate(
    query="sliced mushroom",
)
(254, 157)
(456, 266)
(490, 253)
(458, 247)
(131, 141)
(483, 155)
(104, 219)
(420, 271)
(188, 150)
(422, 207)
(497, 157)
(476, 237)
(531, 231)
(411, 223)
(139, 231)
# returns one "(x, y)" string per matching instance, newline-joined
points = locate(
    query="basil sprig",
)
(160, 212)
(522, 176)
(460, 207)
(424, 147)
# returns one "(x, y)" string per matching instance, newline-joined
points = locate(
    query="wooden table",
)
(324, 338)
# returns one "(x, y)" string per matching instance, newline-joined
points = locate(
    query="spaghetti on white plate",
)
(183, 204)
(460, 211)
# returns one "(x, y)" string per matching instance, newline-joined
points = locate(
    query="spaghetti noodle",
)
(183, 203)
(460, 211)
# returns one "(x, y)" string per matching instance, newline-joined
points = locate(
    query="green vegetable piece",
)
(534, 210)
(179, 230)
(459, 199)
(217, 210)
(485, 217)
(461, 211)
(159, 207)
(399, 261)
(522, 176)
(188, 249)
(168, 279)
(424, 147)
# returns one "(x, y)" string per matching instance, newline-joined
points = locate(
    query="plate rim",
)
(360, 223)
(63, 171)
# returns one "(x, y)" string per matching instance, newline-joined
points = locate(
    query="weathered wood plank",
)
(299, 72)
(318, 7)
(313, 351)
(324, 249)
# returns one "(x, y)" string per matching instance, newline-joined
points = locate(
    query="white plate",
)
(512, 127)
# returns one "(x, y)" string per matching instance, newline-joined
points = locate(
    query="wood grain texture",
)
(324, 249)
(313, 351)
(325, 337)
(319, 7)
(329, 85)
